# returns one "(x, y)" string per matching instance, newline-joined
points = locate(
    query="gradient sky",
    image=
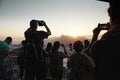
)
(63, 17)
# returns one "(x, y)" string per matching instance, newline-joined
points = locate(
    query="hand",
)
(43, 22)
(96, 30)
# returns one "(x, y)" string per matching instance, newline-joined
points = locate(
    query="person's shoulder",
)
(100, 42)
(5, 43)
(104, 44)
(28, 29)
(112, 40)
(99, 45)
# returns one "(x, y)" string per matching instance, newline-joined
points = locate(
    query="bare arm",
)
(97, 30)
(48, 30)
(96, 33)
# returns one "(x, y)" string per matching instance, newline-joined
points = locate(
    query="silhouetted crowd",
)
(97, 59)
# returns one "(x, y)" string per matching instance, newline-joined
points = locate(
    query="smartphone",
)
(104, 26)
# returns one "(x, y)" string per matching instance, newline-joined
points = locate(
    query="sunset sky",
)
(63, 17)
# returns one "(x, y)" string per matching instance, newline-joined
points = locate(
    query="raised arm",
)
(44, 24)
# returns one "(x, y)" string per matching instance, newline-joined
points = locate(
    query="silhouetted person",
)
(86, 43)
(35, 60)
(76, 60)
(48, 50)
(70, 51)
(21, 58)
(96, 32)
(4, 50)
(56, 61)
(80, 64)
(49, 47)
(106, 50)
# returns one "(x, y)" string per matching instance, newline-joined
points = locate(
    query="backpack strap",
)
(88, 61)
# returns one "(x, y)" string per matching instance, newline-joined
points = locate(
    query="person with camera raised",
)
(34, 53)
(34, 36)
(106, 51)
(98, 29)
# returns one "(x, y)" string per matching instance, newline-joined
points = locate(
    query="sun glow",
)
(74, 34)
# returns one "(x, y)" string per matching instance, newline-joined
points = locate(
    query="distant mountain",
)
(65, 39)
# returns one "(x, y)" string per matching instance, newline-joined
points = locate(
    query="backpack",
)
(87, 73)
(88, 61)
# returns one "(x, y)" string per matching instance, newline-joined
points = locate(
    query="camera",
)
(40, 23)
(104, 26)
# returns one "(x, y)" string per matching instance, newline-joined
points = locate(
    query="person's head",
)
(113, 11)
(86, 43)
(70, 46)
(33, 24)
(49, 46)
(57, 44)
(23, 42)
(8, 40)
(78, 46)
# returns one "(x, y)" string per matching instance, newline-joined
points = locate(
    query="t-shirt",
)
(32, 35)
(4, 47)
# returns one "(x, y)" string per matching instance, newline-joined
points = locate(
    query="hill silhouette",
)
(64, 39)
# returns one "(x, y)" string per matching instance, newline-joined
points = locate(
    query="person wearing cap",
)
(106, 51)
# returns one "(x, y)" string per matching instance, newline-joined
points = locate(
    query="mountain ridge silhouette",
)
(65, 39)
